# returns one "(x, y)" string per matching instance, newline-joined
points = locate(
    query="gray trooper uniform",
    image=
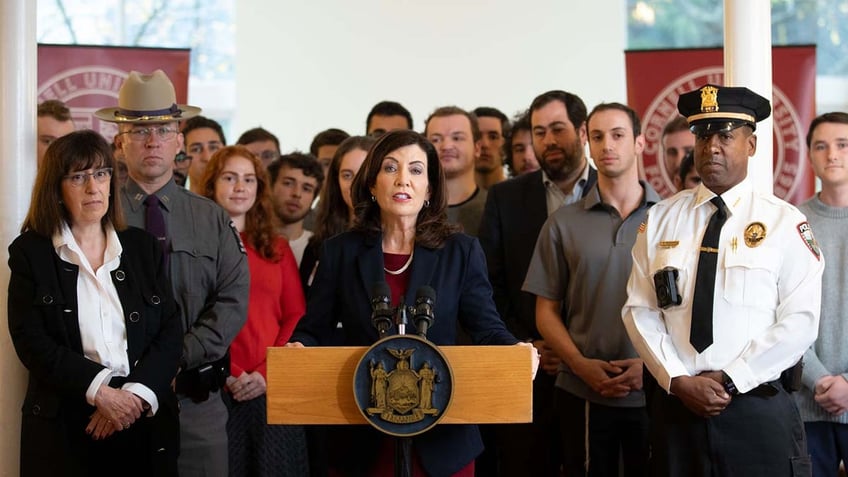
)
(210, 279)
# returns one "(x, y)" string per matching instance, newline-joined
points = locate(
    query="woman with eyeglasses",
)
(92, 318)
(236, 180)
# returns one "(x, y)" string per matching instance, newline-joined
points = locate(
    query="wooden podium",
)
(314, 385)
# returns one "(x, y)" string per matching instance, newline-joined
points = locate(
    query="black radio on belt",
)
(665, 284)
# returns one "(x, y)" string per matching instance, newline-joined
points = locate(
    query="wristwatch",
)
(728, 384)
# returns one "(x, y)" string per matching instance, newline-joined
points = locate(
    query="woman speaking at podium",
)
(401, 236)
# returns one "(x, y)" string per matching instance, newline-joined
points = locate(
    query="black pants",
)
(754, 436)
(595, 438)
(529, 449)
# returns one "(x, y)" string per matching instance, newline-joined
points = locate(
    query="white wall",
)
(304, 66)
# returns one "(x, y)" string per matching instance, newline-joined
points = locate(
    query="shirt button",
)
(47, 299)
(155, 299)
(36, 410)
(120, 275)
(134, 317)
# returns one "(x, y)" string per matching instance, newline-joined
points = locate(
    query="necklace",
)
(403, 268)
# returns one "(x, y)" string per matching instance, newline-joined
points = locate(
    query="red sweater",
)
(276, 304)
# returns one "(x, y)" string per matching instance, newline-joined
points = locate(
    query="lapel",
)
(370, 263)
(423, 265)
(537, 203)
(68, 273)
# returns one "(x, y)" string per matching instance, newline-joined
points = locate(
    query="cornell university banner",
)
(87, 78)
(656, 78)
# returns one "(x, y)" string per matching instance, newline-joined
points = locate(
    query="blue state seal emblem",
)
(403, 385)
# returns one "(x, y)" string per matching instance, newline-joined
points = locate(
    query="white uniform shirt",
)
(767, 298)
(100, 314)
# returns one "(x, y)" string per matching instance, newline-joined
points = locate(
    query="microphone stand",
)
(403, 445)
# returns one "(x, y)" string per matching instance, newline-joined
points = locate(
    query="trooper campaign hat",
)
(711, 108)
(147, 98)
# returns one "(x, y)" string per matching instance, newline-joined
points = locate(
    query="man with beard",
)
(514, 214)
(494, 132)
(296, 178)
(456, 135)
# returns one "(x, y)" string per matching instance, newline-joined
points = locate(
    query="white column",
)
(747, 62)
(17, 153)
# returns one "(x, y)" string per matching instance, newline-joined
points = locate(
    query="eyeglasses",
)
(79, 179)
(268, 156)
(163, 133)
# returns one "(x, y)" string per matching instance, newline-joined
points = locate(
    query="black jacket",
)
(44, 326)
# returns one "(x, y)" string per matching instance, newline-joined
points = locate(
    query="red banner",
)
(656, 78)
(87, 78)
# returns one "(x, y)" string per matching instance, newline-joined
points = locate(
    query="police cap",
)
(711, 109)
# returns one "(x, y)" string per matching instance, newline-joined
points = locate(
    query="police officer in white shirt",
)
(723, 297)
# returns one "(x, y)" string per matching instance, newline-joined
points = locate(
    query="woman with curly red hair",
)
(236, 180)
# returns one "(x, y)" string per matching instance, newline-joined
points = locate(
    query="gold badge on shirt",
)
(755, 233)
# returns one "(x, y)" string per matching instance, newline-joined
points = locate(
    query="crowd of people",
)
(669, 332)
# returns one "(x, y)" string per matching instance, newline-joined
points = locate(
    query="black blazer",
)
(514, 214)
(44, 326)
(350, 264)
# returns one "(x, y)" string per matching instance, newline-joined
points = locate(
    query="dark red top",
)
(397, 283)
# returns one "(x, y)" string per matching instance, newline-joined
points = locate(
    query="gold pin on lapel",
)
(755, 233)
(733, 244)
(669, 243)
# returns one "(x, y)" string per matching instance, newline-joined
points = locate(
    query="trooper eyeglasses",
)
(163, 133)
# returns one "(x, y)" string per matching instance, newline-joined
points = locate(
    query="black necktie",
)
(701, 331)
(154, 223)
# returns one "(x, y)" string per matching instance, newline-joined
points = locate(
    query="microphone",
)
(400, 319)
(425, 301)
(381, 310)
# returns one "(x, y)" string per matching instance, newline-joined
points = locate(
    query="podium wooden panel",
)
(314, 385)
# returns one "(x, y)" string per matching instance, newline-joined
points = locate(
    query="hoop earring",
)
(426, 203)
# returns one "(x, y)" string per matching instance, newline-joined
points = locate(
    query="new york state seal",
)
(403, 385)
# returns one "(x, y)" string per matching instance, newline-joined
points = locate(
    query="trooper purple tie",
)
(154, 222)
(701, 328)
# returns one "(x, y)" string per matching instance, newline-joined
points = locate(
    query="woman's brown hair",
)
(77, 151)
(333, 216)
(432, 227)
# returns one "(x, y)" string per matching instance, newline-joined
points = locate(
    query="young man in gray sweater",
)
(823, 401)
